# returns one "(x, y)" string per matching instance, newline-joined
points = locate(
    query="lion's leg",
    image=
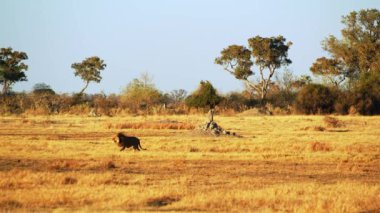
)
(122, 148)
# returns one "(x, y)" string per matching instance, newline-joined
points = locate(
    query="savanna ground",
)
(282, 163)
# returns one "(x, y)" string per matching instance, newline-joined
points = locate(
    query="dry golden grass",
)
(164, 124)
(282, 163)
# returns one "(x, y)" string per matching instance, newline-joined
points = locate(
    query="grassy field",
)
(282, 163)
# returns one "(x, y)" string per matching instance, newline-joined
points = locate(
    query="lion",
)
(125, 141)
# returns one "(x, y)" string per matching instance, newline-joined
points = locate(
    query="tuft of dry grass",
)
(194, 149)
(315, 128)
(319, 128)
(65, 165)
(320, 147)
(109, 165)
(332, 122)
(69, 181)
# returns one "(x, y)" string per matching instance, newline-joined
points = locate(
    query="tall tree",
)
(89, 70)
(357, 52)
(205, 96)
(268, 54)
(12, 69)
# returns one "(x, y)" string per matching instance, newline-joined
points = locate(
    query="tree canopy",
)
(357, 51)
(42, 88)
(205, 96)
(89, 70)
(12, 69)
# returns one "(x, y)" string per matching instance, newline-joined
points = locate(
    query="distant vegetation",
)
(346, 82)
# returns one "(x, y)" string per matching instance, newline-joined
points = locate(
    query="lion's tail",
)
(141, 147)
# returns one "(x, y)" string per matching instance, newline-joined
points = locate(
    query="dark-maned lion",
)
(125, 141)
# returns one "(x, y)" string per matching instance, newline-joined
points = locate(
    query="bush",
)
(14, 103)
(343, 102)
(236, 101)
(104, 104)
(282, 99)
(44, 102)
(141, 94)
(366, 94)
(315, 99)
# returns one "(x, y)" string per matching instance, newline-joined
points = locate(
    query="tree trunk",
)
(5, 88)
(263, 97)
(265, 83)
(84, 88)
(211, 115)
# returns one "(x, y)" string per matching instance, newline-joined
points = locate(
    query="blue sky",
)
(176, 41)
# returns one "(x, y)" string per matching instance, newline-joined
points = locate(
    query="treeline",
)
(346, 82)
(288, 95)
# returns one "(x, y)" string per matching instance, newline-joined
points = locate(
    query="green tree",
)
(89, 70)
(12, 69)
(357, 51)
(268, 54)
(205, 96)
